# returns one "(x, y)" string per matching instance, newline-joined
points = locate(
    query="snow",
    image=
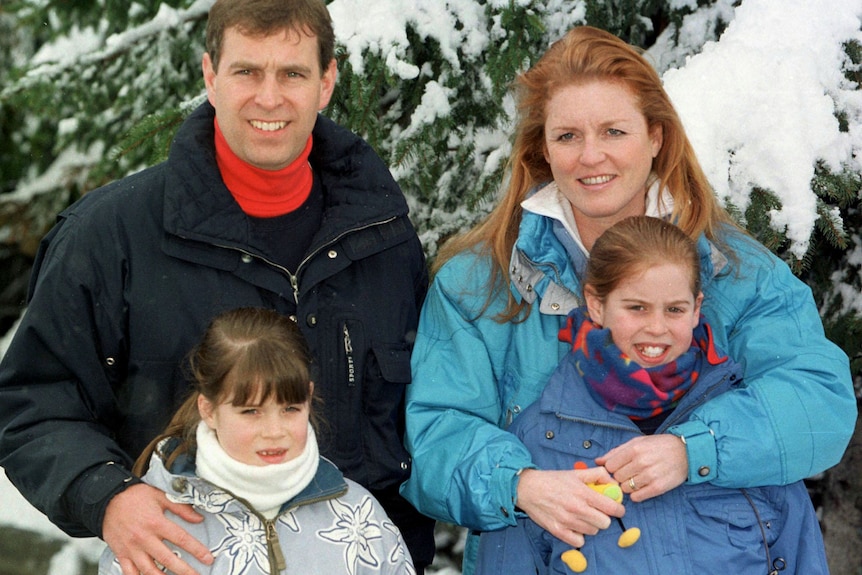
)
(758, 106)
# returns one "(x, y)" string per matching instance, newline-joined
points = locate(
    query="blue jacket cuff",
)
(700, 447)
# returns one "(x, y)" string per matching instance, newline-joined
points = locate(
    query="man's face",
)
(267, 92)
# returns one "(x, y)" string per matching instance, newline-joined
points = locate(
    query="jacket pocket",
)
(386, 375)
(729, 527)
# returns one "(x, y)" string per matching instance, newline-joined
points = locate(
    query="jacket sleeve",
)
(796, 411)
(464, 465)
(56, 400)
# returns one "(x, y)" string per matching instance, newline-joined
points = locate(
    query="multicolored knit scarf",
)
(623, 386)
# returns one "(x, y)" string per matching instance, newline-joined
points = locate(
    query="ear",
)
(206, 411)
(209, 77)
(656, 136)
(595, 307)
(327, 83)
(310, 388)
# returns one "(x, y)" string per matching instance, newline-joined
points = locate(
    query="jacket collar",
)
(548, 259)
(358, 188)
(183, 486)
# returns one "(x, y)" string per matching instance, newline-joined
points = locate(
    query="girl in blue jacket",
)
(598, 140)
(641, 359)
(242, 451)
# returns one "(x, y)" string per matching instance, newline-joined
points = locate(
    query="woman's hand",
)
(647, 466)
(135, 528)
(561, 503)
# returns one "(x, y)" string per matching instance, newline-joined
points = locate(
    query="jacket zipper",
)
(294, 278)
(276, 555)
(294, 281)
(348, 353)
(277, 562)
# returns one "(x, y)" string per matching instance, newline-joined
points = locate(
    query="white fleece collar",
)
(265, 487)
(550, 202)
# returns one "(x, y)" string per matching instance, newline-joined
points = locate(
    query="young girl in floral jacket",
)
(242, 450)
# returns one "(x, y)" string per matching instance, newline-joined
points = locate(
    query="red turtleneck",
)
(264, 193)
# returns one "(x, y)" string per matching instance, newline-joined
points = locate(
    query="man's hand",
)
(647, 466)
(562, 504)
(135, 528)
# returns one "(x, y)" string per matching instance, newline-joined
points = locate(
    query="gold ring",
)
(632, 483)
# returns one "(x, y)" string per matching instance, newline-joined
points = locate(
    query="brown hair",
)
(266, 17)
(245, 355)
(587, 54)
(634, 244)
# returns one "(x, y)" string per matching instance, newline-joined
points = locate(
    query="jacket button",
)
(179, 484)
(110, 361)
(587, 444)
(555, 306)
(311, 320)
(332, 254)
(404, 466)
(516, 409)
(703, 471)
(549, 435)
(246, 259)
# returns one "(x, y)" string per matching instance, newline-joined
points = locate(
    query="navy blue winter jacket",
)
(132, 273)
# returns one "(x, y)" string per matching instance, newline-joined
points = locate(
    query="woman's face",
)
(651, 314)
(600, 151)
(260, 434)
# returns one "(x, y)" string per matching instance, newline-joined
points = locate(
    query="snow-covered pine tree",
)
(94, 90)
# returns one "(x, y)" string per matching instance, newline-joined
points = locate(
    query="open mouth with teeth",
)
(272, 455)
(268, 126)
(653, 354)
(596, 180)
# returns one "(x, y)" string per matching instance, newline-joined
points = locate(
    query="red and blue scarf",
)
(619, 383)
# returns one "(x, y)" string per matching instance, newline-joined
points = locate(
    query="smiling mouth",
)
(594, 180)
(267, 126)
(651, 351)
(272, 453)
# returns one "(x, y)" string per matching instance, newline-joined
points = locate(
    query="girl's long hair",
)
(586, 54)
(245, 355)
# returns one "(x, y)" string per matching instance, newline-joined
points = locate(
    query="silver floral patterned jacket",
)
(333, 527)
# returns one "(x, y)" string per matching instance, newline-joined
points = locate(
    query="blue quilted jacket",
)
(689, 530)
(472, 376)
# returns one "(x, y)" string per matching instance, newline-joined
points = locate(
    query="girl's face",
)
(600, 151)
(651, 314)
(260, 434)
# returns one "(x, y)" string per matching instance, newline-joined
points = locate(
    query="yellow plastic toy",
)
(573, 558)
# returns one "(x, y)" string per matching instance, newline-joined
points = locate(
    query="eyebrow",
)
(247, 65)
(679, 302)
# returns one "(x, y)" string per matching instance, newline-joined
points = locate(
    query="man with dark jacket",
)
(262, 202)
